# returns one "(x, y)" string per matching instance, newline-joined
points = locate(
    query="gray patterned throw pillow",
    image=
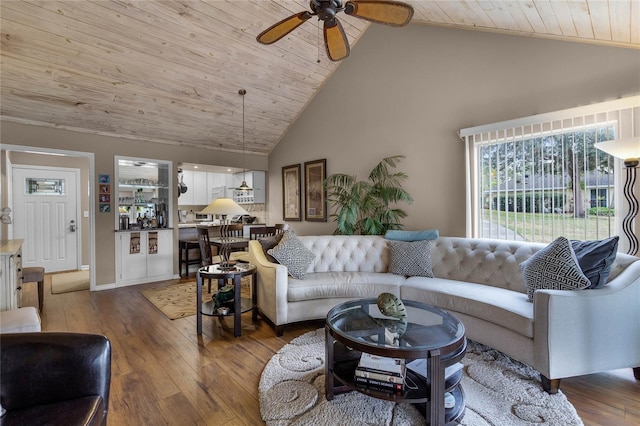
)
(411, 258)
(293, 254)
(555, 267)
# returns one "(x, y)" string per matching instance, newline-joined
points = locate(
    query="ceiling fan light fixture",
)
(387, 12)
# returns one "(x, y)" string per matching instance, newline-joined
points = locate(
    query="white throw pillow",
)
(293, 254)
(412, 259)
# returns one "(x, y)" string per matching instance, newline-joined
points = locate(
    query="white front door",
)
(45, 205)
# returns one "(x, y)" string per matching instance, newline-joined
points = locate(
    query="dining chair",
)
(281, 227)
(234, 230)
(257, 232)
(206, 257)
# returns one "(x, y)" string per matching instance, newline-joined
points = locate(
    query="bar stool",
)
(35, 274)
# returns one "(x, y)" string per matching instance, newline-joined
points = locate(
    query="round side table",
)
(235, 274)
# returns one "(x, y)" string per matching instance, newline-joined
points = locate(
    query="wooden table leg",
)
(254, 296)
(436, 397)
(180, 260)
(198, 302)
(328, 365)
(237, 304)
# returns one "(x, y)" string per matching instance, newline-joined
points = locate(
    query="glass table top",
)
(235, 268)
(426, 327)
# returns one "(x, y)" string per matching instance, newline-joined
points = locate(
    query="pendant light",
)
(243, 186)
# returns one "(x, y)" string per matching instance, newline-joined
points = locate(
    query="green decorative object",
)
(391, 306)
(223, 295)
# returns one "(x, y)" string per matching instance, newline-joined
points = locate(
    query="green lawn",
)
(545, 227)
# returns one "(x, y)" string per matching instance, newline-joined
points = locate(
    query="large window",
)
(540, 177)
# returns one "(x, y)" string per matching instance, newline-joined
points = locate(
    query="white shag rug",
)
(499, 391)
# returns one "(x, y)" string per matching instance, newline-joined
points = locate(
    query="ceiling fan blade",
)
(392, 13)
(282, 28)
(335, 40)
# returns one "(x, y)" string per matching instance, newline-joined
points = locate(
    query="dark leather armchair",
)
(54, 378)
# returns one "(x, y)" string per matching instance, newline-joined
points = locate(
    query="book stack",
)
(381, 373)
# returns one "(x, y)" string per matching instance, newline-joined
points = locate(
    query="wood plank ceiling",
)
(170, 71)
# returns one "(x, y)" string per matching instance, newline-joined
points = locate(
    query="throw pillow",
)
(398, 235)
(555, 267)
(410, 258)
(268, 243)
(293, 254)
(595, 259)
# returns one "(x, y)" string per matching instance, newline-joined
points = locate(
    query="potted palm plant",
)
(368, 207)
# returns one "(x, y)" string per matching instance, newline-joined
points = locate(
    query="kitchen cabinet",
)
(204, 187)
(216, 180)
(199, 186)
(187, 198)
(256, 180)
(200, 190)
(10, 274)
(144, 256)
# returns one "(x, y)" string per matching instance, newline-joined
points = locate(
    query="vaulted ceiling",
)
(170, 71)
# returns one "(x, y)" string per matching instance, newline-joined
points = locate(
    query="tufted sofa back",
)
(483, 261)
(348, 253)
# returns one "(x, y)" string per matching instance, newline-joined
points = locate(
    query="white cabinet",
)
(187, 198)
(200, 190)
(199, 186)
(216, 180)
(256, 180)
(10, 274)
(204, 187)
(144, 256)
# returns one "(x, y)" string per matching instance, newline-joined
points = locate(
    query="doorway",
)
(45, 205)
(48, 158)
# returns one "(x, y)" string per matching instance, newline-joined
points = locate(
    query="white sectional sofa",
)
(563, 333)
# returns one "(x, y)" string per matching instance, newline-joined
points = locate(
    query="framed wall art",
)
(291, 195)
(315, 196)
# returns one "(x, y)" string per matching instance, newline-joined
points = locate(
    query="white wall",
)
(407, 91)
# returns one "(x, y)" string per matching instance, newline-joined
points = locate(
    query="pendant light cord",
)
(243, 92)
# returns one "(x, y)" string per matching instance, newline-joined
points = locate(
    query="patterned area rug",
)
(66, 282)
(175, 300)
(179, 300)
(498, 389)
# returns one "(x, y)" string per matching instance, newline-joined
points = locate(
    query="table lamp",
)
(224, 207)
(627, 149)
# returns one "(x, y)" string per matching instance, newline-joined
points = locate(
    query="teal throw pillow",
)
(399, 235)
(555, 267)
(293, 254)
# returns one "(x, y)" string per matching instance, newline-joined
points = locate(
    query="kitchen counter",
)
(143, 230)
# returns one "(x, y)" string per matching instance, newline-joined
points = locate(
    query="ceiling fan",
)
(379, 11)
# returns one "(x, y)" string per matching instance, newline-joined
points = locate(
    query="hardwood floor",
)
(163, 373)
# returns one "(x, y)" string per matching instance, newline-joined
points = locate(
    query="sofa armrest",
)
(272, 285)
(47, 368)
(586, 331)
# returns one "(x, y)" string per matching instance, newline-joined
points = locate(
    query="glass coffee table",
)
(429, 333)
(239, 305)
